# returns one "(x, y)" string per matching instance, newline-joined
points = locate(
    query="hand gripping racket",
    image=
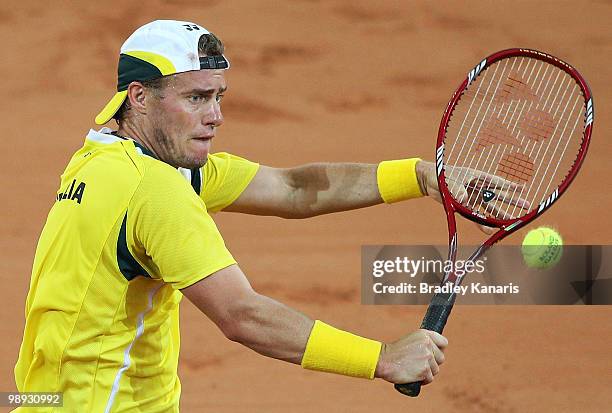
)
(511, 140)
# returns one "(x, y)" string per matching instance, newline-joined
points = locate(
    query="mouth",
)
(204, 137)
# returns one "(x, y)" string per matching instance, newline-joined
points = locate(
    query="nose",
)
(214, 117)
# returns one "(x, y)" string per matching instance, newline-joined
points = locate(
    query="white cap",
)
(159, 48)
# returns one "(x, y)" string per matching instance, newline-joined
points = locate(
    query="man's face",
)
(183, 117)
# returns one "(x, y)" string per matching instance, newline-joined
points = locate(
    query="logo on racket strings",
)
(487, 195)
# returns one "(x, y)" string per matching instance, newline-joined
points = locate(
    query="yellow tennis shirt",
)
(126, 232)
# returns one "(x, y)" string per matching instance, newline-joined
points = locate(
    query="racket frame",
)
(441, 304)
(452, 206)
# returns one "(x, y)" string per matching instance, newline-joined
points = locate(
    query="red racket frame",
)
(441, 304)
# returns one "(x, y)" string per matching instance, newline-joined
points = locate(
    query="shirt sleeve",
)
(172, 235)
(224, 178)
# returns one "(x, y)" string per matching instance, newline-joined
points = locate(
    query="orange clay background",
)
(310, 81)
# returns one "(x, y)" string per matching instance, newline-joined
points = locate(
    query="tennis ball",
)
(542, 248)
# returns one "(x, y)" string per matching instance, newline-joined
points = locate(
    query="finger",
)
(438, 355)
(433, 366)
(435, 194)
(473, 199)
(427, 376)
(485, 229)
(505, 195)
(514, 199)
(505, 191)
(460, 194)
(457, 189)
(480, 181)
(509, 191)
(476, 204)
(438, 339)
(496, 212)
(497, 182)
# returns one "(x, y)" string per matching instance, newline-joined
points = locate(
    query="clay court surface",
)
(323, 81)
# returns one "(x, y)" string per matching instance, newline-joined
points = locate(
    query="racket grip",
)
(435, 319)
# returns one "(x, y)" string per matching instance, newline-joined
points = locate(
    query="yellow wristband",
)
(335, 351)
(397, 180)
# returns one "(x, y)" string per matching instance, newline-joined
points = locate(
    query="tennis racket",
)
(511, 140)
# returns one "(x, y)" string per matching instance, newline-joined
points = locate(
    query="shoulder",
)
(159, 178)
(223, 164)
(225, 159)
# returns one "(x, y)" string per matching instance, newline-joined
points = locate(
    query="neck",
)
(130, 130)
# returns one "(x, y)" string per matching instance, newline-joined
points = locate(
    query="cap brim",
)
(111, 108)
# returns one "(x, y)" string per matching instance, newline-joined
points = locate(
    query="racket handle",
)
(435, 319)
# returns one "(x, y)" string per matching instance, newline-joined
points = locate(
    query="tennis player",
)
(130, 234)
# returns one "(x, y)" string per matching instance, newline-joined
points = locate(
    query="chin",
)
(194, 162)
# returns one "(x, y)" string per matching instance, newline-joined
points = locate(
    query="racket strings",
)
(481, 81)
(494, 131)
(506, 163)
(516, 166)
(547, 158)
(480, 121)
(519, 120)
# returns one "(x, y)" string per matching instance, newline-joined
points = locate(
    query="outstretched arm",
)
(323, 188)
(278, 331)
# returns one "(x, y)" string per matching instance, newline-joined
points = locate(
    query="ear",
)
(136, 95)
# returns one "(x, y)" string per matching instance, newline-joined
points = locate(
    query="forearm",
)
(271, 328)
(275, 330)
(323, 188)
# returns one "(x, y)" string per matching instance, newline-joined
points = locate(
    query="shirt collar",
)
(105, 135)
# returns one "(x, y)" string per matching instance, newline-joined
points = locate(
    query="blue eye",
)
(219, 98)
(195, 98)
